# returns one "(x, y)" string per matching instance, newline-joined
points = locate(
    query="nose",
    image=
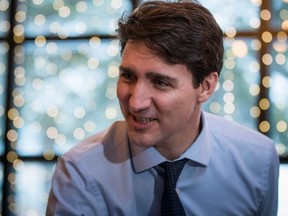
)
(140, 97)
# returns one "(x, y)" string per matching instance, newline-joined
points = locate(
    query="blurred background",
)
(58, 71)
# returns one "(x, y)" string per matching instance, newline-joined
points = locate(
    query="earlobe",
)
(208, 86)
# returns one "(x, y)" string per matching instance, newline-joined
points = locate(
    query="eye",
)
(160, 82)
(127, 77)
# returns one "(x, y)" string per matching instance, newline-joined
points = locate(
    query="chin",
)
(141, 140)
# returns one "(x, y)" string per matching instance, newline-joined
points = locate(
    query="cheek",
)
(183, 104)
(123, 98)
(121, 92)
(170, 104)
(182, 98)
(118, 92)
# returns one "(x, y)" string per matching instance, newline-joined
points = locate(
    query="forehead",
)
(139, 58)
(139, 49)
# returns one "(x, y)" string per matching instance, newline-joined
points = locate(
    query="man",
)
(172, 55)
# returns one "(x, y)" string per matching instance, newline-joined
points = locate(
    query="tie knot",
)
(173, 170)
(174, 165)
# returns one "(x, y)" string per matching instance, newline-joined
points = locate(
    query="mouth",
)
(143, 120)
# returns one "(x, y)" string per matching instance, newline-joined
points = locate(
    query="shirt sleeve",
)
(72, 193)
(269, 206)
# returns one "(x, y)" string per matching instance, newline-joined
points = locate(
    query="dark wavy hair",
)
(182, 32)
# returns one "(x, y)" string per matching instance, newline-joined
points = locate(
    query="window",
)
(58, 71)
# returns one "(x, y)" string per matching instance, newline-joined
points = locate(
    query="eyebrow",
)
(126, 69)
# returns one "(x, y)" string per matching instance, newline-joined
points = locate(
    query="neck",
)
(175, 149)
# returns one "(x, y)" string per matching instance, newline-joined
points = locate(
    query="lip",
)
(141, 123)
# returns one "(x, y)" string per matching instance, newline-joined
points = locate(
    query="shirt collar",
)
(199, 152)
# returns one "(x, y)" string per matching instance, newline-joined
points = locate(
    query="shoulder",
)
(232, 132)
(101, 144)
(243, 157)
(241, 147)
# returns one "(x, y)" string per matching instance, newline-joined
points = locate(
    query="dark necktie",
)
(171, 204)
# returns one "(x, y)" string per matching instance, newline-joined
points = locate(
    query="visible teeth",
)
(144, 120)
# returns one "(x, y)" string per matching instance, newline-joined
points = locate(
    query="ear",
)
(208, 86)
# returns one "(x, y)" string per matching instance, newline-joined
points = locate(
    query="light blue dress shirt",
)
(231, 171)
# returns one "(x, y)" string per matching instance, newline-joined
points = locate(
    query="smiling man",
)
(151, 92)
(168, 157)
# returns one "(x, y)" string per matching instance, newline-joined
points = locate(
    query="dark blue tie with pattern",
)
(171, 204)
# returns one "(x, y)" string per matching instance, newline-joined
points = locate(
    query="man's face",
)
(157, 99)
